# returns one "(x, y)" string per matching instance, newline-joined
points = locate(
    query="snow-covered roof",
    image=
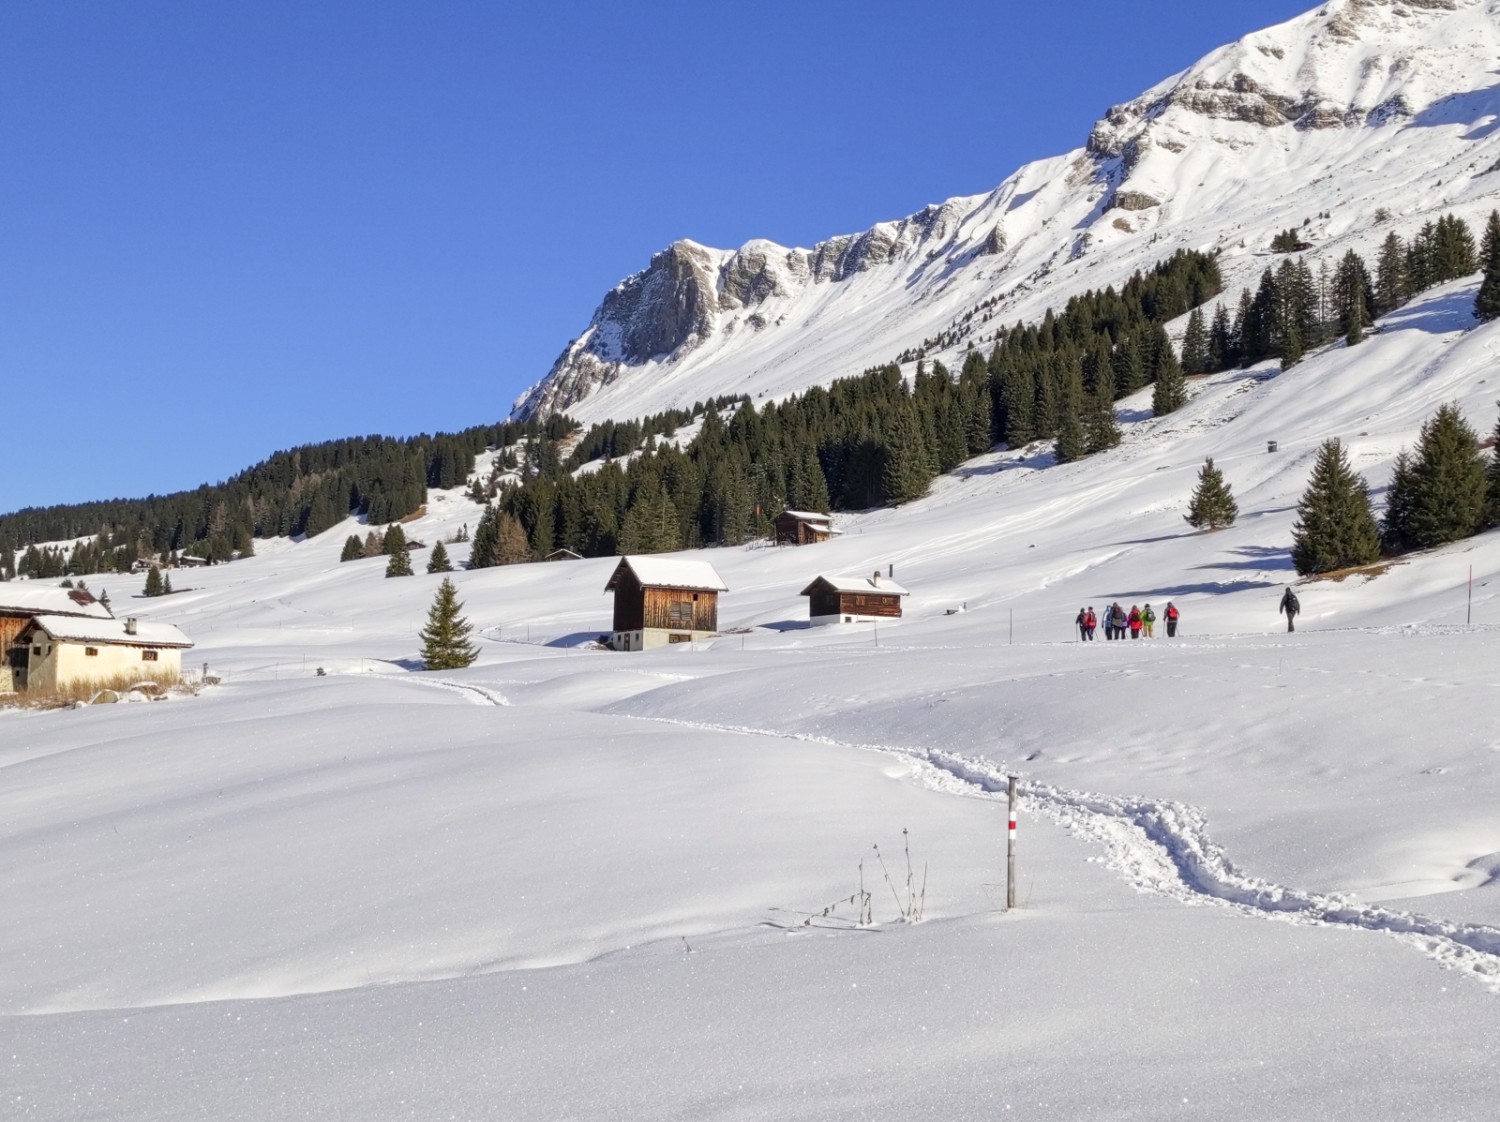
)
(884, 586)
(51, 600)
(74, 629)
(666, 572)
(807, 515)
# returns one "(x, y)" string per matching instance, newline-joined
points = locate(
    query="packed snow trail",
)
(474, 695)
(1164, 848)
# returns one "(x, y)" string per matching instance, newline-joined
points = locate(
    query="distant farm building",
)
(802, 527)
(660, 601)
(63, 651)
(853, 599)
(564, 555)
(21, 602)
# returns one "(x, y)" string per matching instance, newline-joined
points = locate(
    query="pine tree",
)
(1335, 528)
(1195, 345)
(907, 472)
(374, 544)
(1101, 430)
(394, 541)
(1487, 303)
(445, 639)
(438, 562)
(1071, 436)
(166, 584)
(153, 582)
(1492, 474)
(511, 545)
(354, 549)
(1212, 504)
(483, 550)
(1392, 285)
(1395, 527)
(1448, 485)
(1170, 392)
(399, 565)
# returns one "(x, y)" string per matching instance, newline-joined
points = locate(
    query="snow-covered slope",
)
(1359, 106)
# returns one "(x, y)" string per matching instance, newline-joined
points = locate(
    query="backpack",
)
(1172, 612)
(1292, 604)
(1091, 620)
(1148, 616)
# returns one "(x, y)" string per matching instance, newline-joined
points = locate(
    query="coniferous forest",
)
(872, 439)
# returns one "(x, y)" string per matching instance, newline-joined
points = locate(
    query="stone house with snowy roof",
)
(23, 601)
(660, 601)
(853, 599)
(64, 651)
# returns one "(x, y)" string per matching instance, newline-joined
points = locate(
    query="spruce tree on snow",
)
(1395, 527)
(394, 541)
(399, 565)
(1071, 435)
(438, 562)
(1170, 391)
(445, 639)
(1487, 303)
(483, 551)
(153, 582)
(1212, 504)
(1492, 474)
(1335, 528)
(1448, 484)
(1101, 430)
(1195, 345)
(166, 584)
(511, 545)
(354, 549)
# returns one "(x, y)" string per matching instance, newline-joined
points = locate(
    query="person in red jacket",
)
(1173, 615)
(1090, 624)
(1135, 622)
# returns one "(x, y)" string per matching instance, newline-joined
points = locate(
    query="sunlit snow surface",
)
(1255, 875)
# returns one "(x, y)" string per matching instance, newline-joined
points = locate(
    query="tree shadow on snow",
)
(576, 639)
(1479, 109)
(1442, 316)
(786, 625)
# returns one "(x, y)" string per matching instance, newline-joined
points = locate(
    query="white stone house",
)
(23, 601)
(64, 651)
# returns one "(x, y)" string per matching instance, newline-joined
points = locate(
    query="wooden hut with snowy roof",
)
(853, 599)
(803, 527)
(23, 601)
(660, 601)
(62, 651)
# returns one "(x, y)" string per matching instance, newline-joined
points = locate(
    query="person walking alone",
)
(1172, 617)
(1148, 621)
(1290, 606)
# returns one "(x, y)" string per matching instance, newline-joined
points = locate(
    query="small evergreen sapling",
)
(1212, 505)
(399, 565)
(438, 562)
(445, 639)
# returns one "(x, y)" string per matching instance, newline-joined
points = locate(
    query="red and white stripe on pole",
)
(1013, 825)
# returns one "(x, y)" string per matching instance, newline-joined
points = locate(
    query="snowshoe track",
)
(1164, 848)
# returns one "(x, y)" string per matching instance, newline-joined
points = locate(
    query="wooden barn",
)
(803, 527)
(853, 599)
(659, 601)
(20, 603)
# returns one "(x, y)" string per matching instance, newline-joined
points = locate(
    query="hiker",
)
(1148, 620)
(1091, 623)
(1117, 614)
(1290, 606)
(1172, 616)
(1135, 622)
(1082, 623)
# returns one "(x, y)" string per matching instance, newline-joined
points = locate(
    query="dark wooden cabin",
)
(659, 601)
(853, 599)
(802, 527)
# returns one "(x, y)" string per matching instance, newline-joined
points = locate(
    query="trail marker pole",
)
(1010, 850)
(1469, 619)
(1012, 627)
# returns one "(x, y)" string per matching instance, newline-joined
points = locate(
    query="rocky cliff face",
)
(1275, 121)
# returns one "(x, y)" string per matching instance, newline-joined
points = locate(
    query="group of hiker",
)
(1138, 623)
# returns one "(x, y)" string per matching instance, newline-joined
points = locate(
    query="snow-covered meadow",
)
(1257, 871)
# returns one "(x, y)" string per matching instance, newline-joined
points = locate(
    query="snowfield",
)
(1258, 871)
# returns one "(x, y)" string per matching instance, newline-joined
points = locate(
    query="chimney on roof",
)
(875, 578)
(130, 625)
(892, 573)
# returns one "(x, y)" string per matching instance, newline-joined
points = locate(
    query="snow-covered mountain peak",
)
(1356, 109)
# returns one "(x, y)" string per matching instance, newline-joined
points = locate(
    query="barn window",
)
(148, 656)
(91, 652)
(37, 650)
(680, 613)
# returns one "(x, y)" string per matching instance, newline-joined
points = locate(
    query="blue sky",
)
(229, 229)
